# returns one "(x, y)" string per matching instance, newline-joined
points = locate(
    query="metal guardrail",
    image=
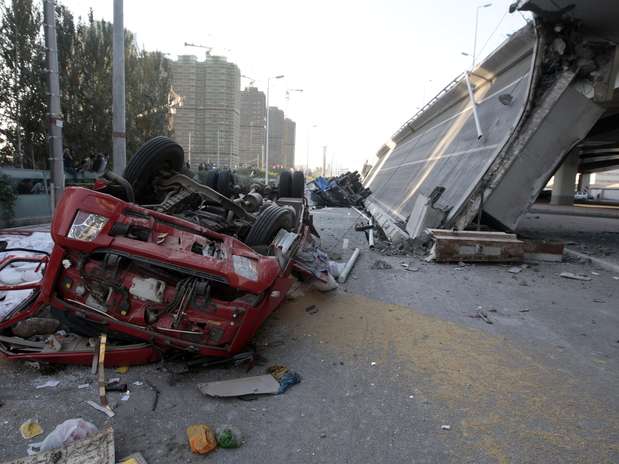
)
(430, 103)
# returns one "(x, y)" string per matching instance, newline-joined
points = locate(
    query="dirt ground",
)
(386, 361)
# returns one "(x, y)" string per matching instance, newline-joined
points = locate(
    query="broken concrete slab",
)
(257, 385)
(472, 246)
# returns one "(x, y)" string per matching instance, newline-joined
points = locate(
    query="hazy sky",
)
(365, 66)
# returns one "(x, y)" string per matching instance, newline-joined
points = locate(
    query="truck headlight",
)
(245, 267)
(86, 226)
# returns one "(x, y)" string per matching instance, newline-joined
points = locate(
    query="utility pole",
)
(54, 112)
(119, 136)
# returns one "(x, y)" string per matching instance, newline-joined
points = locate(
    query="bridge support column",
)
(563, 188)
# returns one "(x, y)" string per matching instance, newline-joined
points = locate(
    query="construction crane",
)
(251, 80)
(208, 49)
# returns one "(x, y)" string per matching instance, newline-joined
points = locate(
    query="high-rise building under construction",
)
(253, 120)
(207, 123)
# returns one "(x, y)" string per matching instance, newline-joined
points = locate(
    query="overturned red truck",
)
(194, 268)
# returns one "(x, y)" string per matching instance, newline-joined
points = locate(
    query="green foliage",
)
(7, 199)
(85, 67)
(22, 78)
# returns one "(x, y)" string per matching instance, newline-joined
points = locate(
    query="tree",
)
(85, 68)
(23, 101)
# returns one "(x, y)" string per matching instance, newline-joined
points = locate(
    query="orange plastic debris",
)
(201, 438)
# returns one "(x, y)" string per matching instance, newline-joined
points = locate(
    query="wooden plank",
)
(96, 449)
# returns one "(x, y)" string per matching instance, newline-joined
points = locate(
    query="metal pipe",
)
(349, 265)
(371, 235)
(123, 183)
(480, 134)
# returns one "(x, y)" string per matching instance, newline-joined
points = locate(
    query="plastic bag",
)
(335, 268)
(64, 434)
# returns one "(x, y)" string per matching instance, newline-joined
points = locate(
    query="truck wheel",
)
(285, 184)
(157, 155)
(225, 183)
(298, 185)
(268, 223)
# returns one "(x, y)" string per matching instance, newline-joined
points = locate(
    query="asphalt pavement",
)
(395, 367)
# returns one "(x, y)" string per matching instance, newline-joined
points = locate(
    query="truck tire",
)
(285, 184)
(225, 183)
(298, 185)
(157, 155)
(268, 223)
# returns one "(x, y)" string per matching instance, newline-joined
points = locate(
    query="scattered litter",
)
(84, 385)
(595, 273)
(49, 383)
(571, 275)
(445, 427)
(381, 265)
(412, 269)
(122, 369)
(616, 277)
(135, 458)
(30, 429)
(201, 438)
(373, 363)
(113, 380)
(228, 436)
(345, 244)
(284, 376)
(515, 269)
(138, 383)
(312, 309)
(156, 397)
(104, 409)
(481, 314)
(411, 396)
(64, 434)
(116, 387)
(126, 396)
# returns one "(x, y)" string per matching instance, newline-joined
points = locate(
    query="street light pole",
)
(486, 5)
(119, 136)
(266, 142)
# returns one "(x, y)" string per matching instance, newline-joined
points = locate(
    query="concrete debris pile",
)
(344, 190)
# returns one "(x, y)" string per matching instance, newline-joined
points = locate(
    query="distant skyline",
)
(365, 66)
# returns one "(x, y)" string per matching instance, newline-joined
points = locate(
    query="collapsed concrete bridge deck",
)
(494, 136)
